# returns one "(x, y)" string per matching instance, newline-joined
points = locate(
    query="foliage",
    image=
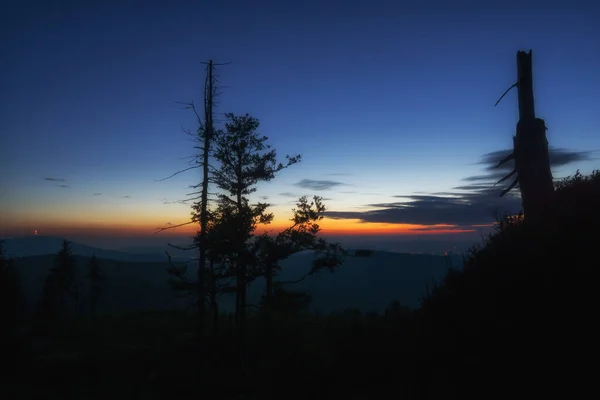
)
(97, 284)
(245, 160)
(269, 250)
(363, 253)
(12, 313)
(61, 287)
(11, 292)
(244, 156)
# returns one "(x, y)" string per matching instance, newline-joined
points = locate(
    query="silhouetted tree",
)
(245, 160)
(530, 149)
(204, 136)
(302, 235)
(220, 256)
(97, 284)
(11, 293)
(61, 285)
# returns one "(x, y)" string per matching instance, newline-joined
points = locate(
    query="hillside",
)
(28, 246)
(364, 283)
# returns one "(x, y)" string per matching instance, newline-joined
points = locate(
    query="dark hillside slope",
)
(521, 313)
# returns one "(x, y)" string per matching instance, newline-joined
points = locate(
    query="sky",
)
(390, 104)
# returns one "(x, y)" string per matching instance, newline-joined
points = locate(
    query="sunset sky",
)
(390, 103)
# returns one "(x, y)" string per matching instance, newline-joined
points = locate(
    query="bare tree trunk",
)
(532, 162)
(213, 298)
(207, 137)
(240, 309)
(269, 285)
(269, 291)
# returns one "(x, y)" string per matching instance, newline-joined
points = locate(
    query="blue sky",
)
(383, 98)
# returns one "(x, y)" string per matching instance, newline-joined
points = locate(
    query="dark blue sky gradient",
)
(396, 96)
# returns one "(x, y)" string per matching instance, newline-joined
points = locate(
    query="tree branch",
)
(178, 172)
(158, 230)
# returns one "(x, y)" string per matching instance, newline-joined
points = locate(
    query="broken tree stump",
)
(532, 158)
(530, 149)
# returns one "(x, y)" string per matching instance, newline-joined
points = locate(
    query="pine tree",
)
(245, 160)
(12, 299)
(204, 136)
(97, 284)
(302, 235)
(61, 286)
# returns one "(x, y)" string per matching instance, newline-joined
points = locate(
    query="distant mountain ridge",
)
(29, 246)
(367, 283)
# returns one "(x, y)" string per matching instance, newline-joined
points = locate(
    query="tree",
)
(97, 284)
(204, 136)
(61, 285)
(245, 160)
(220, 256)
(220, 271)
(11, 291)
(302, 235)
(530, 150)
(12, 307)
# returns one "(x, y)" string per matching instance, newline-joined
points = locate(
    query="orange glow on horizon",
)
(349, 227)
(355, 227)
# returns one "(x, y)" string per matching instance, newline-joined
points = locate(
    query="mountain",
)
(43, 245)
(366, 283)
(173, 251)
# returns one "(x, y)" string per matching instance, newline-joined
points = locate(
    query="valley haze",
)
(138, 281)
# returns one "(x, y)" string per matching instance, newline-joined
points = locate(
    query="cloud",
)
(464, 209)
(126, 197)
(339, 174)
(318, 185)
(476, 202)
(54, 179)
(558, 158)
(492, 174)
(263, 197)
(167, 201)
(288, 194)
(97, 194)
(63, 186)
(446, 228)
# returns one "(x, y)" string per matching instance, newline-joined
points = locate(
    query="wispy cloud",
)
(63, 186)
(126, 197)
(55, 179)
(318, 184)
(477, 202)
(97, 194)
(468, 209)
(167, 201)
(558, 158)
(288, 194)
